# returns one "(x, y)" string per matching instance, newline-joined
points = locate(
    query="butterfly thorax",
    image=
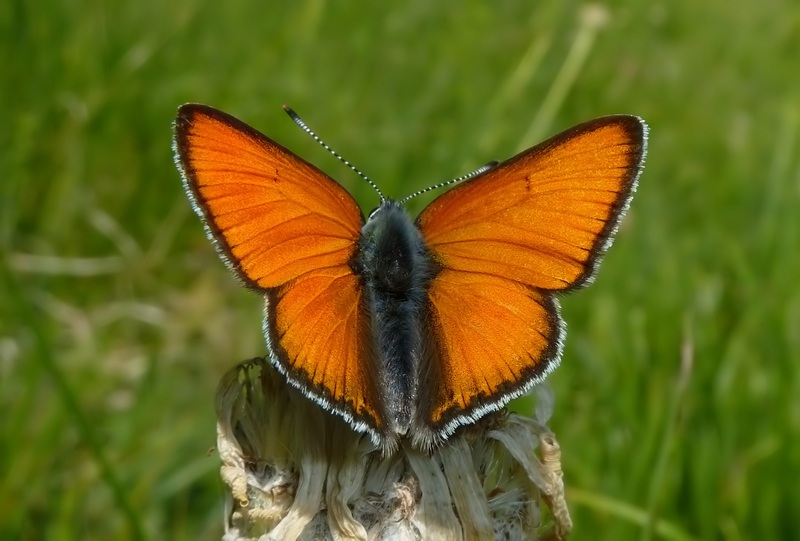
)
(393, 265)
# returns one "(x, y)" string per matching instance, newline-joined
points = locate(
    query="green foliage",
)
(677, 403)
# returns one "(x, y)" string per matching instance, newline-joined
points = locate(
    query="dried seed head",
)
(295, 472)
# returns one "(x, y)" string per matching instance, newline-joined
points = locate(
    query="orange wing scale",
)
(506, 240)
(274, 215)
(490, 334)
(286, 228)
(542, 217)
(320, 323)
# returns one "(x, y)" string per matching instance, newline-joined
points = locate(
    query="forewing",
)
(272, 215)
(544, 217)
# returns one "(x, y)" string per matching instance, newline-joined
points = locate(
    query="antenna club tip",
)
(289, 111)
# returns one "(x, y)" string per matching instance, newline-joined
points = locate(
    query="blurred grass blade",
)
(44, 355)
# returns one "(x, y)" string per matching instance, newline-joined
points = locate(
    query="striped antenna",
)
(304, 126)
(462, 178)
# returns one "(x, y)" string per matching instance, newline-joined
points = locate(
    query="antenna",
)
(304, 126)
(475, 173)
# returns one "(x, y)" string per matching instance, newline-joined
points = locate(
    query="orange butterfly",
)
(411, 328)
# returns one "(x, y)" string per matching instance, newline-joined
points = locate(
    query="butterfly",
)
(410, 329)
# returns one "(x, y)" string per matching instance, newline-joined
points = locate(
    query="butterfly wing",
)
(505, 240)
(288, 230)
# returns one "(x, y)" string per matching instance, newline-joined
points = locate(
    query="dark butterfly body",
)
(395, 269)
(411, 329)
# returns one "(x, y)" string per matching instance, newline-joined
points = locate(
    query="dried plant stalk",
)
(295, 472)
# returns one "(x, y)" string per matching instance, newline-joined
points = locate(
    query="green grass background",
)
(678, 399)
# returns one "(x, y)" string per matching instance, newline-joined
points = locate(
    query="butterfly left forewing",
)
(534, 225)
(271, 215)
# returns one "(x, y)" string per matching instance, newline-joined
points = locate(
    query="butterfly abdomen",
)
(395, 271)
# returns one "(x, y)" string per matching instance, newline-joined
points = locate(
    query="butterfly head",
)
(391, 250)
